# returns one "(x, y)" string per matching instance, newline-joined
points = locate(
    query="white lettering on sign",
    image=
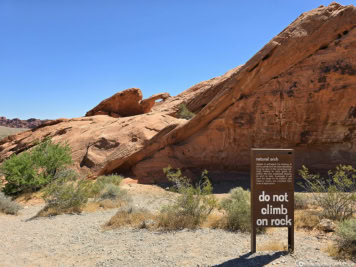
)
(267, 159)
(274, 209)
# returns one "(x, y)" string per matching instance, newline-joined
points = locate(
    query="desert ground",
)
(80, 240)
(5, 131)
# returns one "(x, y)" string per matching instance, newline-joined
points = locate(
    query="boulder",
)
(326, 225)
(126, 103)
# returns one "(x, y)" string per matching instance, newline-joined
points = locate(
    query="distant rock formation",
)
(17, 123)
(298, 91)
(126, 103)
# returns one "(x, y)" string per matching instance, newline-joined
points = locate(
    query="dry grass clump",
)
(135, 218)
(306, 219)
(103, 205)
(300, 201)
(8, 206)
(272, 246)
(171, 221)
(216, 220)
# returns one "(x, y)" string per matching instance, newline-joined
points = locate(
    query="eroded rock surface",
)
(126, 103)
(95, 141)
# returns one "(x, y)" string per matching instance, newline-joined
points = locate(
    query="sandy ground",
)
(79, 240)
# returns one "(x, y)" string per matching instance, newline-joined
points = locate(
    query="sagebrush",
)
(345, 245)
(237, 210)
(66, 194)
(8, 206)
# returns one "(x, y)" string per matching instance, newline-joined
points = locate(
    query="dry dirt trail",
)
(79, 240)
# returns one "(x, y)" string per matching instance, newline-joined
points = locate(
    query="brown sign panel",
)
(272, 191)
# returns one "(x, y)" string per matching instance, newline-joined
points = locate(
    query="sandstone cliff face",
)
(299, 91)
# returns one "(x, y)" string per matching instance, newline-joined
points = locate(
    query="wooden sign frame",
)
(272, 191)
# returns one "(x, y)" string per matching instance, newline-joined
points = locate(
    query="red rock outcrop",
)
(96, 141)
(126, 103)
(299, 91)
(17, 123)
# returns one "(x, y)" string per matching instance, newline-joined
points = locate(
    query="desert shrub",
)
(32, 170)
(192, 206)
(300, 202)
(110, 179)
(132, 217)
(238, 210)
(347, 234)
(345, 246)
(95, 188)
(64, 195)
(306, 219)
(7, 206)
(105, 187)
(184, 113)
(113, 192)
(336, 194)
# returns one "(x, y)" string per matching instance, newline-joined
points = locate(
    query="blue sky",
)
(60, 58)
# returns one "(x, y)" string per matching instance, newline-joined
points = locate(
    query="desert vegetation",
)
(70, 194)
(334, 200)
(184, 112)
(335, 194)
(8, 206)
(45, 169)
(34, 169)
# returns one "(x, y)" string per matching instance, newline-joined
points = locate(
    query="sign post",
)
(272, 191)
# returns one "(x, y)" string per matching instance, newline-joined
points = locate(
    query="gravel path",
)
(79, 240)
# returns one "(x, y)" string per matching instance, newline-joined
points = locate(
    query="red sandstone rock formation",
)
(17, 123)
(126, 103)
(299, 91)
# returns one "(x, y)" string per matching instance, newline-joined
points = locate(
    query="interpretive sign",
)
(272, 191)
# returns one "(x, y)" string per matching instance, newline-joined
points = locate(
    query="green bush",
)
(65, 194)
(113, 192)
(105, 187)
(192, 206)
(347, 238)
(7, 206)
(184, 113)
(238, 210)
(336, 194)
(32, 170)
